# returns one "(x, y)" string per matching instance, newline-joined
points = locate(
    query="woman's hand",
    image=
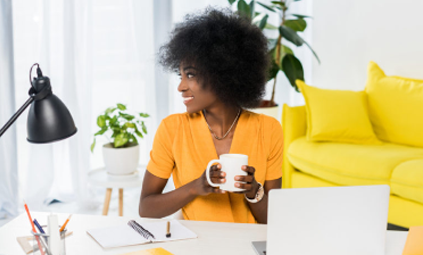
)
(202, 187)
(250, 184)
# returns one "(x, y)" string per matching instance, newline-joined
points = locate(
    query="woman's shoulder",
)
(262, 119)
(177, 119)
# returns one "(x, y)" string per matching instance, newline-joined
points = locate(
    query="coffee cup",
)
(231, 165)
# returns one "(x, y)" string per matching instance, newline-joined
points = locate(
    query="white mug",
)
(231, 165)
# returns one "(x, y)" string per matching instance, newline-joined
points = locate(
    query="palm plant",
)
(283, 58)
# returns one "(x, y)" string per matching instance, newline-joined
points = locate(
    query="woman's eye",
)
(190, 75)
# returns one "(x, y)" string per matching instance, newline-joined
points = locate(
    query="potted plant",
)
(121, 154)
(283, 58)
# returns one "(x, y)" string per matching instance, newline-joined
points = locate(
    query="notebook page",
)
(177, 230)
(118, 236)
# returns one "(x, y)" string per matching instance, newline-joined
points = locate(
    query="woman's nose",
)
(182, 86)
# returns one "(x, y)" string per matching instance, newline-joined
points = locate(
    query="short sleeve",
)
(274, 161)
(162, 162)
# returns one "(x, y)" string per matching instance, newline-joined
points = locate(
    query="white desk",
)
(213, 238)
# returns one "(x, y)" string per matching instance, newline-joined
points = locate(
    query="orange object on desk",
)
(414, 243)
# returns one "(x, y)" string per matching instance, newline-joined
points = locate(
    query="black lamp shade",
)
(49, 120)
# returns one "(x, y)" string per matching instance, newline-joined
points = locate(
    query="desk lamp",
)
(48, 119)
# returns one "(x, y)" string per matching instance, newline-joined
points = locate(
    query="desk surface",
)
(213, 238)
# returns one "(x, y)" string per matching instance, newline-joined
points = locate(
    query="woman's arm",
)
(154, 204)
(259, 210)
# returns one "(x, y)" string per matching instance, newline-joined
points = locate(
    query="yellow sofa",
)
(397, 161)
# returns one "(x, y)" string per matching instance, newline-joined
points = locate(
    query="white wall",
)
(348, 34)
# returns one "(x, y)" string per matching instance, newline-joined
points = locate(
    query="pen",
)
(33, 227)
(39, 226)
(168, 230)
(66, 222)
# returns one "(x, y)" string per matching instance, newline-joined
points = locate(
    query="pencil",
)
(33, 228)
(168, 230)
(66, 222)
(29, 216)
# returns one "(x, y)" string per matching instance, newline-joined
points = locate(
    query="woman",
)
(222, 61)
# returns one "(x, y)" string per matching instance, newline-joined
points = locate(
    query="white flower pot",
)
(121, 161)
(273, 111)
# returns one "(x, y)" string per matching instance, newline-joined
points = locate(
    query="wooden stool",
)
(100, 177)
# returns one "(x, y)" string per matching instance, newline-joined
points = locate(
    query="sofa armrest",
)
(294, 125)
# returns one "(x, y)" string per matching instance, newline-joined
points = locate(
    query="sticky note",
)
(414, 243)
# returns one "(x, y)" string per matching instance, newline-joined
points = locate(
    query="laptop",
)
(327, 221)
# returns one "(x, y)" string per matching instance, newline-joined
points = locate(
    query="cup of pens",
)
(43, 240)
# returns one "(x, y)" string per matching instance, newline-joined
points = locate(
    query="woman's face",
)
(196, 98)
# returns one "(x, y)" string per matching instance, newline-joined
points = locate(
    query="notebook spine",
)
(142, 231)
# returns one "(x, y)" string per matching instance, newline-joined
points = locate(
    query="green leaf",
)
(301, 16)
(92, 146)
(102, 131)
(298, 25)
(278, 3)
(113, 120)
(314, 53)
(252, 8)
(291, 35)
(126, 116)
(287, 50)
(244, 8)
(139, 133)
(270, 26)
(231, 1)
(144, 115)
(271, 43)
(134, 139)
(267, 7)
(130, 125)
(261, 20)
(121, 107)
(101, 121)
(120, 140)
(144, 128)
(273, 70)
(110, 110)
(293, 69)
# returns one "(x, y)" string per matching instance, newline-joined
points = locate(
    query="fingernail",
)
(237, 185)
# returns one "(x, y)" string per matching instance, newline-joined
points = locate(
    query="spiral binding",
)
(142, 231)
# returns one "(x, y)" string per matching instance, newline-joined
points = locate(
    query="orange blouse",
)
(183, 146)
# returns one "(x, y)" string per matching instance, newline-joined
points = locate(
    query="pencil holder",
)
(40, 243)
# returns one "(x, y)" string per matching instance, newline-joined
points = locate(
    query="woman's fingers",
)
(248, 178)
(249, 169)
(246, 186)
(216, 175)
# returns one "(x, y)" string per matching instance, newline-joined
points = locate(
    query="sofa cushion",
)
(407, 180)
(395, 107)
(337, 115)
(350, 164)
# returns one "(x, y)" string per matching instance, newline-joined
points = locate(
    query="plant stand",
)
(100, 177)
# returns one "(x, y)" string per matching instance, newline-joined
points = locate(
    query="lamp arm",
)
(16, 115)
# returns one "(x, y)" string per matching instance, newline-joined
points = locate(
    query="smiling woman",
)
(222, 62)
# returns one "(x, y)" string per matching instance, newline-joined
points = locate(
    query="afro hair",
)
(229, 53)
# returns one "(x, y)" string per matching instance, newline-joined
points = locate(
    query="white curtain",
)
(8, 152)
(97, 53)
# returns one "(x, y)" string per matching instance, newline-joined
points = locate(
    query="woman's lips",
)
(187, 99)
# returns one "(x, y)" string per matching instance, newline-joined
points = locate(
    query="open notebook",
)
(134, 234)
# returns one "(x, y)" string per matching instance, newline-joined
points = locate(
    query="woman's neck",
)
(221, 117)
